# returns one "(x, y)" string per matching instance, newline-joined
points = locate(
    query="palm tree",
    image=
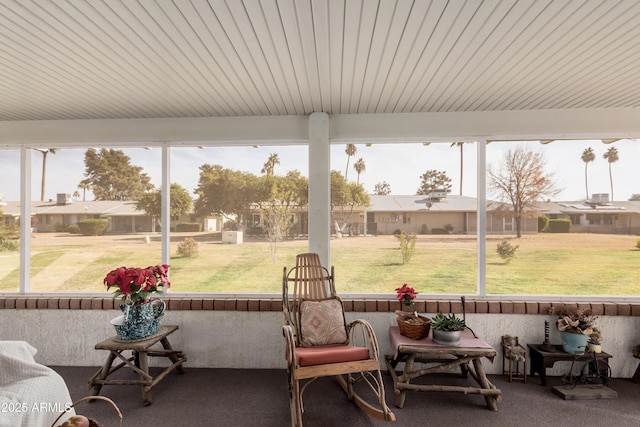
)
(587, 156)
(351, 151)
(460, 144)
(612, 156)
(44, 152)
(84, 186)
(270, 164)
(360, 167)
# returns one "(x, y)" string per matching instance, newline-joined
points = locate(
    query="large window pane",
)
(249, 217)
(87, 222)
(577, 239)
(416, 189)
(9, 220)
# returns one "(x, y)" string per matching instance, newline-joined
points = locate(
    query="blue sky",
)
(400, 165)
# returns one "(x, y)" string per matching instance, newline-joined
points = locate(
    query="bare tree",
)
(611, 155)
(587, 156)
(520, 182)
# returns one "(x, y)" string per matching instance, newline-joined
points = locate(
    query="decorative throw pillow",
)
(322, 322)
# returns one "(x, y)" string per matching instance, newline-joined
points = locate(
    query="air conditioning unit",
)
(63, 199)
(600, 198)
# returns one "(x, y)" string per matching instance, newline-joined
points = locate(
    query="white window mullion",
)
(25, 219)
(482, 216)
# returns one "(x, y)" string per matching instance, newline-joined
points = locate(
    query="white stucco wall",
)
(253, 340)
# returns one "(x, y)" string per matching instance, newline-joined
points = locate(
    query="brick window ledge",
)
(351, 305)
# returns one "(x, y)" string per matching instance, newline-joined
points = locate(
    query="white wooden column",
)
(319, 187)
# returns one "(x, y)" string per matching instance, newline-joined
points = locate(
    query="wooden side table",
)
(541, 360)
(139, 361)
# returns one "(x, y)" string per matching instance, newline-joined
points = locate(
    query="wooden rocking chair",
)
(320, 344)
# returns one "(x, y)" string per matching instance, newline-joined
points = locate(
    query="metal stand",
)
(546, 345)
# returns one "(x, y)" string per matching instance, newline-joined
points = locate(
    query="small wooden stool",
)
(139, 361)
(516, 355)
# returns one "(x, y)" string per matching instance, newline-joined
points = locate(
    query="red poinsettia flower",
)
(135, 285)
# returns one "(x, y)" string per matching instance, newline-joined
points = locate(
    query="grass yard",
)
(545, 264)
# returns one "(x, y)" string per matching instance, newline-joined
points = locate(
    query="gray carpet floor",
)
(231, 397)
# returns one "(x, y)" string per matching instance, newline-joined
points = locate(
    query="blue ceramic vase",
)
(574, 343)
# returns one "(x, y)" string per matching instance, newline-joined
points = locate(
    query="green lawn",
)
(544, 264)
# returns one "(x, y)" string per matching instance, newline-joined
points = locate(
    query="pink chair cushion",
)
(311, 356)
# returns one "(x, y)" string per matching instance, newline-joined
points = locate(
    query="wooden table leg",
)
(172, 356)
(485, 384)
(405, 378)
(143, 360)
(103, 373)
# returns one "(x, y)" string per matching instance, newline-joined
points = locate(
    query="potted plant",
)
(575, 326)
(447, 328)
(410, 324)
(595, 340)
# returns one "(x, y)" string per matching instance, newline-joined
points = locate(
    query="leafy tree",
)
(433, 180)
(360, 167)
(611, 155)
(587, 156)
(345, 193)
(224, 191)
(506, 251)
(521, 181)
(44, 152)
(180, 202)
(351, 150)
(270, 164)
(382, 189)
(84, 186)
(112, 176)
(635, 197)
(277, 198)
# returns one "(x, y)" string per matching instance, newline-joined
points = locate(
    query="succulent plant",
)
(447, 322)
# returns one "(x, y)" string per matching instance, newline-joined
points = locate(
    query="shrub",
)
(73, 229)
(188, 247)
(424, 229)
(638, 244)
(7, 245)
(439, 231)
(506, 251)
(543, 223)
(93, 227)
(560, 225)
(407, 246)
(230, 225)
(189, 227)
(448, 228)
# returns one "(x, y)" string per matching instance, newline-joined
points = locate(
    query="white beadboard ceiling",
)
(109, 59)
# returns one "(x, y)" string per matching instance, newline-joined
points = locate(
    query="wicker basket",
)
(93, 422)
(413, 330)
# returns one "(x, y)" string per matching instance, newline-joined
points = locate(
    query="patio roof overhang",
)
(252, 72)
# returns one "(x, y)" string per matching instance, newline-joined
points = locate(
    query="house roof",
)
(399, 203)
(138, 59)
(105, 208)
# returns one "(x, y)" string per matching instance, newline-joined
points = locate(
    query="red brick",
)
(432, 307)
(382, 306)
(2, 303)
(52, 303)
(359, 306)
(456, 306)
(96, 304)
(196, 304)
(85, 303)
(185, 304)
(21, 303)
(207, 304)
(506, 307)
(482, 307)
(531, 307)
(75, 303)
(544, 308)
(635, 309)
(610, 309)
(584, 306)
(494, 307)
(469, 306)
(370, 306)
(253, 305)
(519, 307)
(32, 303)
(230, 304)
(63, 303)
(173, 304)
(597, 309)
(624, 310)
(10, 303)
(219, 304)
(444, 306)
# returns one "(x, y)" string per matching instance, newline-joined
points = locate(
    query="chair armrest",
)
(290, 341)
(361, 333)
